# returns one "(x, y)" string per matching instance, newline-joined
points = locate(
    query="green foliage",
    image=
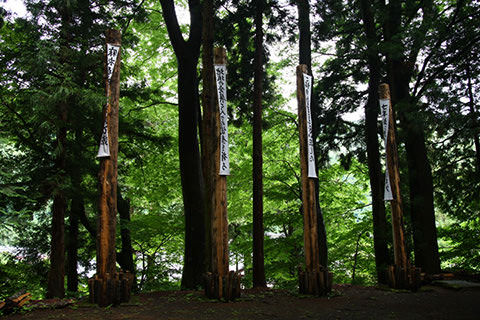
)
(38, 72)
(19, 274)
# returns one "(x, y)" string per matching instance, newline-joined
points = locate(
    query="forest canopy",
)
(52, 94)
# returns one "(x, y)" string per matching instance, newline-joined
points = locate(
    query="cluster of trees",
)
(51, 98)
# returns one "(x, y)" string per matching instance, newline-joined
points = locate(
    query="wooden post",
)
(220, 283)
(108, 170)
(311, 281)
(219, 219)
(108, 286)
(396, 204)
(402, 275)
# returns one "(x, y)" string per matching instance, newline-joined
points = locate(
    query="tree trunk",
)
(125, 257)
(355, 257)
(193, 188)
(305, 57)
(77, 206)
(381, 237)
(107, 217)
(476, 128)
(422, 211)
(258, 233)
(191, 176)
(208, 125)
(56, 275)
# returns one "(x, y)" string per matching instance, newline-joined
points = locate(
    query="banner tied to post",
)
(112, 54)
(221, 78)
(385, 109)
(307, 83)
(104, 148)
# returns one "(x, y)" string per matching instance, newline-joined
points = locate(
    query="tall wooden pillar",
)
(315, 279)
(220, 283)
(402, 274)
(219, 218)
(107, 217)
(109, 286)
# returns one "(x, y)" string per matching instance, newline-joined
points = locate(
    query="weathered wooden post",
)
(220, 283)
(315, 279)
(109, 287)
(402, 275)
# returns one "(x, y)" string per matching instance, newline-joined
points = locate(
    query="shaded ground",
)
(347, 302)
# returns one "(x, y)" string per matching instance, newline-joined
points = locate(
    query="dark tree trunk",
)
(305, 57)
(208, 143)
(257, 172)
(380, 228)
(77, 207)
(191, 176)
(193, 188)
(125, 257)
(56, 275)
(473, 114)
(422, 209)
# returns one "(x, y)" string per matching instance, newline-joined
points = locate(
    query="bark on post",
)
(316, 279)
(219, 219)
(109, 286)
(108, 170)
(220, 283)
(402, 275)
(400, 255)
(305, 57)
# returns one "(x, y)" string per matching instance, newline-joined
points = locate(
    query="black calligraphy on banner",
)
(112, 54)
(385, 110)
(221, 79)
(104, 148)
(307, 83)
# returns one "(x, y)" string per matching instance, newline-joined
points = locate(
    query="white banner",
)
(307, 84)
(104, 148)
(385, 109)
(221, 78)
(112, 54)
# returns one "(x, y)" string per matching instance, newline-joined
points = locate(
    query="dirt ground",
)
(346, 302)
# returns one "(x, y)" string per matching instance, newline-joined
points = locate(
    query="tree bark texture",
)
(399, 250)
(77, 205)
(193, 188)
(422, 211)
(310, 232)
(380, 228)
(107, 218)
(208, 127)
(257, 172)
(56, 274)
(220, 263)
(125, 258)
(305, 57)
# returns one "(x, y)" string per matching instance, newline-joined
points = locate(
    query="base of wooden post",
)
(222, 287)
(110, 290)
(315, 283)
(400, 278)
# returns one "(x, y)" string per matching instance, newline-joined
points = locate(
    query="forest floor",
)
(345, 302)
